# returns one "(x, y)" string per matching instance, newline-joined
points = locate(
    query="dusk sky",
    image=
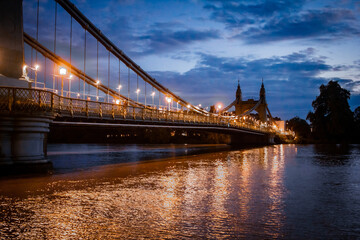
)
(199, 49)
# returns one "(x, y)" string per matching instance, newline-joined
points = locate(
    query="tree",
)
(357, 116)
(332, 119)
(300, 127)
(357, 123)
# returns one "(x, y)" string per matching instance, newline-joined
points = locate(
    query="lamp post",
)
(119, 87)
(36, 69)
(62, 72)
(219, 107)
(97, 89)
(70, 77)
(168, 99)
(137, 94)
(153, 94)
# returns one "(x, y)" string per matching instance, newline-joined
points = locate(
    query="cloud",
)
(238, 13)
(160, 40)
(267, 21)
(323, 24)
(214, 79)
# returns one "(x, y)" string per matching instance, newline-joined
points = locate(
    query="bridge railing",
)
(36, 100)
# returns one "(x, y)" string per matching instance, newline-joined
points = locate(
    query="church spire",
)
(238, 93)
(262, 90)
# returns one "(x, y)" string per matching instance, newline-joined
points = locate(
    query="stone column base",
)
(23, 139)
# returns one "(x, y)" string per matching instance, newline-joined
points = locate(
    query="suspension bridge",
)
(69, 73)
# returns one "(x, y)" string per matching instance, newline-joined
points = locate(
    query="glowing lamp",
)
(62, 71)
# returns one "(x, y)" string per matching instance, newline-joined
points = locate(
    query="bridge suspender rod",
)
(108, 97)
(55, 28)
(97, 60)
(45, 73)
(128, 83)
(85, 23)
(69, 83)
(58, 60)
(119, 77)
(37, 27)
(84, 63)
(145, 92)
(55, 17)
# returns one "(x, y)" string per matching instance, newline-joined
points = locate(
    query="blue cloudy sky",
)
(199, 48)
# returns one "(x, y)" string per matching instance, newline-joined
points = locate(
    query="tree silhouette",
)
(300, 127)
(332, 119)
(357, 123)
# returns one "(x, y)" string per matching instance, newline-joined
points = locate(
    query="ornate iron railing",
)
(36, 100)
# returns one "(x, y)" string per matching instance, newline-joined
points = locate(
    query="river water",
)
(137, 192)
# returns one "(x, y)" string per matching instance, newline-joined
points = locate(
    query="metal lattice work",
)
(35, 100)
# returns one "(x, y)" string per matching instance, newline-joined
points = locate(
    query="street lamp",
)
(153, 94)
(137, 94)
(119, 87)
(62, 72)
(36, 69)
(97, 89)
(70, 78)
(168, 99)
(219, 107)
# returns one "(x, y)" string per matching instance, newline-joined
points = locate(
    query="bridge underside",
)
(125, 131)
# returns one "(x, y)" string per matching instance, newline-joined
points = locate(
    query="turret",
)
(262, 90)
(238, 93)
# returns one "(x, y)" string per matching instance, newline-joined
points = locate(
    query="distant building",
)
(259, 106)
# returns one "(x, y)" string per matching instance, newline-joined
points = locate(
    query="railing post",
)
(39, 98)
(112, 111)
(100, 110)
(142, 113)
(10, 98)
(87, 109)
(71, 108)
(52, 102)
(134, 113)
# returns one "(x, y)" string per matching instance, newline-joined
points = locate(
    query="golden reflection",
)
(219, 191)
(274, 214)
(221, 195)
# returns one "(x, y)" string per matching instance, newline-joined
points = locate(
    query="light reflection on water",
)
(283, 191)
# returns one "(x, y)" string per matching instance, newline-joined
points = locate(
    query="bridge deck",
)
(76, 110)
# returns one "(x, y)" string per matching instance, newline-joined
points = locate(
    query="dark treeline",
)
(331, 121)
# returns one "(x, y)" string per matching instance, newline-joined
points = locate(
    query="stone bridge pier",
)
(22, 135)
(23, 141)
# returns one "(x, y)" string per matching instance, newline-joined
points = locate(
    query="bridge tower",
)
(261, 109)
(22, 135)
(243, 106)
